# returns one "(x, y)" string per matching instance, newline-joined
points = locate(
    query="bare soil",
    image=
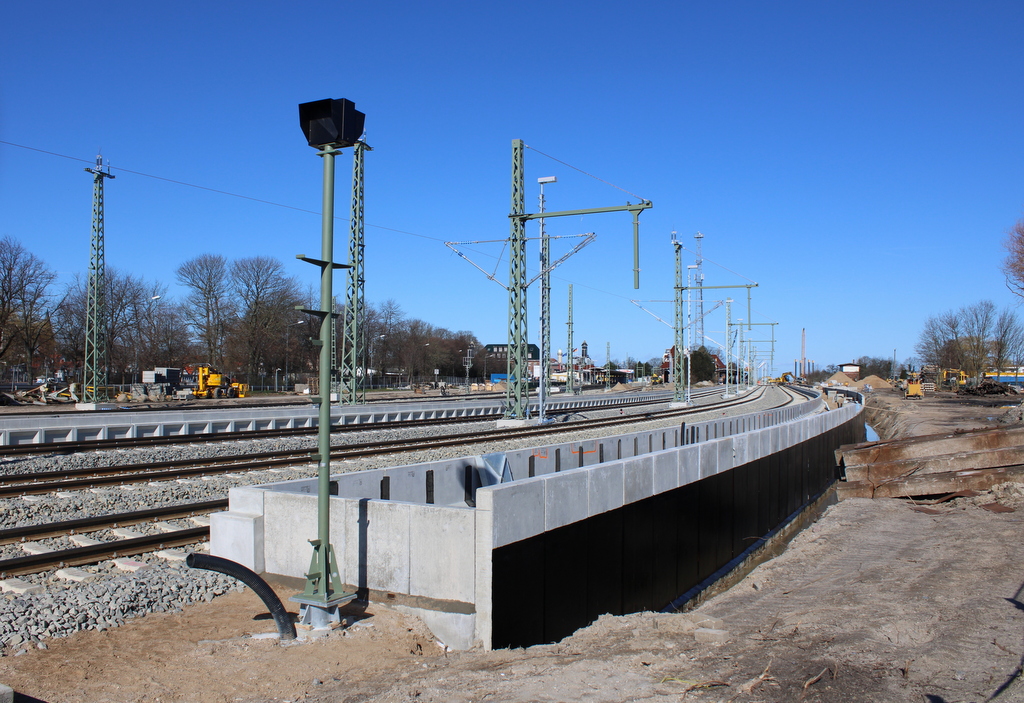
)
(877, 601)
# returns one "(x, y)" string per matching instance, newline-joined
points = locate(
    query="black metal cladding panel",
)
(518, 593)
(776, 497)
(745, 501)
(688, 530)
(638, 556)
(724, 517)
(604, 563)
(566, 582)
(763, 496)
(669, 548)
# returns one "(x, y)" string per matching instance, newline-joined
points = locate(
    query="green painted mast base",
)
(323, 582)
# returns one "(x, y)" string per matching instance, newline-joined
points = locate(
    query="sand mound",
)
(874, 381)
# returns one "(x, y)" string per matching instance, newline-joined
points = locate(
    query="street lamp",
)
(467, 362)
(373, 349)
(287, 346)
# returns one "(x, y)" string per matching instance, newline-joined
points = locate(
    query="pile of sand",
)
(874, 381)
(839, 379)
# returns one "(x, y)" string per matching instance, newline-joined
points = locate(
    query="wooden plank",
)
(935, 484)
(929, 445)
(943, 463)
(854, 489)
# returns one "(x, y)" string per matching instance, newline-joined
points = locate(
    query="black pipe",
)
(250, 578)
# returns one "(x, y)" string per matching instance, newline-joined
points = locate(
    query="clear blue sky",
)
(860, 161)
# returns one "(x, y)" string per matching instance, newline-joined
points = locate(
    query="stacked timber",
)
(932, 465)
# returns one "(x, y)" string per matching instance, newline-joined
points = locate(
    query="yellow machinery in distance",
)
(913, 389)
(214, 384)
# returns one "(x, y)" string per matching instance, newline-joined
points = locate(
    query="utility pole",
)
(570, 381)
(545, 307)
(700, 289)
(353, 383)
(607, 367)
(679, 396)
(94, 381)
(728, 344)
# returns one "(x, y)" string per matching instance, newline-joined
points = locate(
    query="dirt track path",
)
(875, 602)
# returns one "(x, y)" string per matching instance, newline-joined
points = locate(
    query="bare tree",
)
(266, 302)
(208, 306)
(1007, 339)
(25, 283)
(1013, 264)
(979, 322)
(941, 341)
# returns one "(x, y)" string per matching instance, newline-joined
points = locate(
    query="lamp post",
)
(373, 349)
(287, 347)
(545, 309)
(328, 126)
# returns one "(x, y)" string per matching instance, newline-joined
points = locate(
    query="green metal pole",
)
(326, 323)
(323, 583)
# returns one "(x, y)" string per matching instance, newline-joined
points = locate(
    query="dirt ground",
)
(875, 602)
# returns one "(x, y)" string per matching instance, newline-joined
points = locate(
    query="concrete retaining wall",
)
(426, 535)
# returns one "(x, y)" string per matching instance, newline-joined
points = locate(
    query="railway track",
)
(93, 553)
(94, 477)
(65, 448)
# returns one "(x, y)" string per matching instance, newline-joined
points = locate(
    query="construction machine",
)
(214, 384)
(913, 387)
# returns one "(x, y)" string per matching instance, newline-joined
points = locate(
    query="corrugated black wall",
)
(644, 555)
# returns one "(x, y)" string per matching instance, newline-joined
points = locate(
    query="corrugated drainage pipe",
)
(250, 578)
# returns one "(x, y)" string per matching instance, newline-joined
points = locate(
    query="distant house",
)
(851, 370)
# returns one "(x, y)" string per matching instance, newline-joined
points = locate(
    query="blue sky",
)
(860, 161)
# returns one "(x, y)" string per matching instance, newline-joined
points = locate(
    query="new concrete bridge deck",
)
(525, 546)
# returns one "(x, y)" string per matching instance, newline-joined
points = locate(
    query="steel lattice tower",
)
(678, 379)
(353, 389)
(516, 399)
(94, 380)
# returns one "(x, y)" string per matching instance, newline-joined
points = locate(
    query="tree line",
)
(239, 316)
